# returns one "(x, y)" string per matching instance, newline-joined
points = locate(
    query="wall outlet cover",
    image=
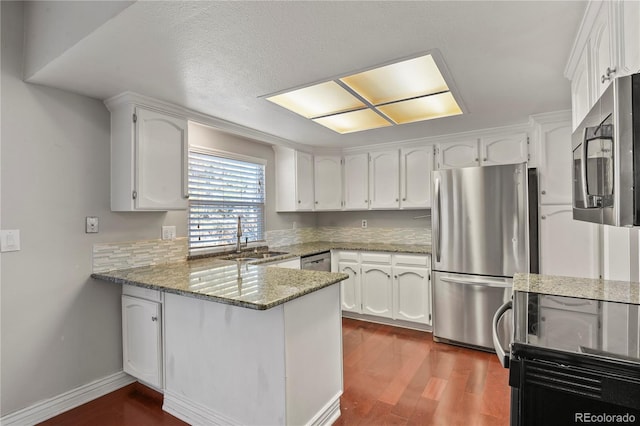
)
(91, 224)
(10, 240)
(364, 223)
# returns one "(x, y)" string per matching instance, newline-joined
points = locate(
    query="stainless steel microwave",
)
(606, 157)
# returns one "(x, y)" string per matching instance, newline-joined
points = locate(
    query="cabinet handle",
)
(543, 217)
(477, 159)
(316, 202)
(543, 192)
(395, 276)
(484, 159)
(299, 201)
(134, 194)
(608, 74)
(154, 318)
(404, 199)
(396, 199)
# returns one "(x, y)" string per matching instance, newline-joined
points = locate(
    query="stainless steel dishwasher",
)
(317, 262)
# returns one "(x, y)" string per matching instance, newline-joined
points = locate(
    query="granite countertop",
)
(307, 249)
(230, 282)
(585, 288)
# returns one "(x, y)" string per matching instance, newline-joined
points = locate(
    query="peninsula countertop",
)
(585, 288)
(308, 249)
(229, 282)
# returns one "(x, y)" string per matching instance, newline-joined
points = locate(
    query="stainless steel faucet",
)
(238, 235)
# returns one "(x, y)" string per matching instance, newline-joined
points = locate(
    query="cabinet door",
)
(141, 340)
(458, 154)
(581, 88)
(356, 182)
(384, 170)
(416, 165)
(161, 161)
(556, 163)
(601, 52)
(567, 247)
(628, 36)
(328, 182)
(377, 291)
(350, 288)
(304, 180)
(411, 294)
(510, 149)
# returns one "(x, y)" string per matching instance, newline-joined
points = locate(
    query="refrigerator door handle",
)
(498, 284)
(437, 221)
(503, 356)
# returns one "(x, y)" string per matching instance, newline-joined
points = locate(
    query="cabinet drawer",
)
(141, 292)
(348, 255)
(412, 259)
(368, 257)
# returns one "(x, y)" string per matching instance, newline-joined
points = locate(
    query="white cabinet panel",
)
(458, 154)
(328, 182)
(356, 182)
(377, 291)
(304, 180)
(554, 173)
(628, 37)
(384, 171)
(601, 52)
(411, 294)
(581, 88)
(350, 288)
(142, 340)
(509, 149)
(416, 165)
(567, 247)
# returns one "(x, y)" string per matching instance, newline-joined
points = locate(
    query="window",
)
(221, 188)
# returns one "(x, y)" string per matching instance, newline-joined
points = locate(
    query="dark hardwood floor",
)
(392, 376)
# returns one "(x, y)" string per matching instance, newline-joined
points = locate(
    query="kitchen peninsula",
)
(240, 343)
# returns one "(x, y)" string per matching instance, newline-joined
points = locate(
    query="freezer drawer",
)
(464, 306)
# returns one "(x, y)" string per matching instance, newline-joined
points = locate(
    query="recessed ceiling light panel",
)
(318, 100)
(354, 121)
(424, 108)
(402, 80)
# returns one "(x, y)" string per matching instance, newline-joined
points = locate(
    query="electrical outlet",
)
(91, 225)
(364, 223)
(168, 232)
(10, 240)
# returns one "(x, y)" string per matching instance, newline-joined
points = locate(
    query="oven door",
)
(593, 172)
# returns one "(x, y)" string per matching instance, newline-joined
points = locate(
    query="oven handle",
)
(502, 353)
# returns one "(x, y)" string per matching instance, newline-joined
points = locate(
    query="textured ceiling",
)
(506, 58)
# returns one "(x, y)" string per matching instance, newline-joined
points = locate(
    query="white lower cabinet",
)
(350, 288)
(411, 291)
(377, 290)
(142, 339)
(385, 285)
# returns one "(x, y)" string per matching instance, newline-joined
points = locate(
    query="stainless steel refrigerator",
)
(480, 239)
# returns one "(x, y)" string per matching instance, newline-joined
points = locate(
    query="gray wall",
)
(208, 137)
(59, 328)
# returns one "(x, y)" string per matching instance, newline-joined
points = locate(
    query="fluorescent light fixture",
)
(402, 80)
(320, 99)
(423, 108)
(354, 121)
(403, 92)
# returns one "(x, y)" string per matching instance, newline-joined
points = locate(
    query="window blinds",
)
(220, 190)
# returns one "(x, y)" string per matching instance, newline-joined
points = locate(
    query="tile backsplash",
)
(110, 256)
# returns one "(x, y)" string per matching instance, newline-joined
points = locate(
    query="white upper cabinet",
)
(509, 149)
(458, 154)
(149, 155)
(356, 182)
(554, 173)
(294, 180)
(384, 172)
(607, 46)
(328, 182)
(416, 165)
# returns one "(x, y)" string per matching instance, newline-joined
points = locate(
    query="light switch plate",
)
(91, 225)
(10, 240)
(168, 232)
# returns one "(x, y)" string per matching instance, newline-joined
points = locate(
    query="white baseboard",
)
(329, 413)
(192, 412)
(51, 407)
